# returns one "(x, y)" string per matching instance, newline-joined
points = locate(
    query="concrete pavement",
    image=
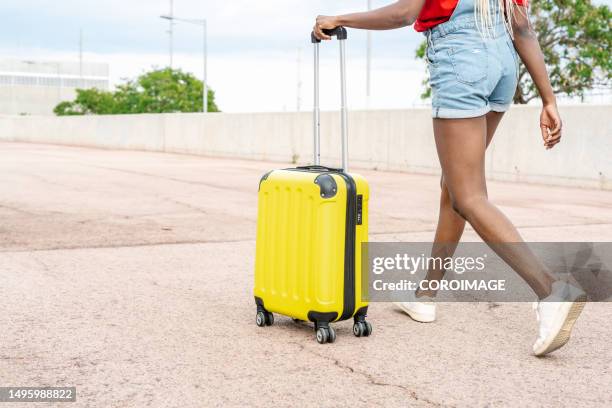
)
(129, 276)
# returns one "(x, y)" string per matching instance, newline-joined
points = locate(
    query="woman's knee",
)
(444, 193)
(466, 205)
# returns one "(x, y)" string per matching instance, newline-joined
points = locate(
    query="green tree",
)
(158, 91)
(88, 102)
(575, 38)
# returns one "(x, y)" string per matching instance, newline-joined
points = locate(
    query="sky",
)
(254, 48)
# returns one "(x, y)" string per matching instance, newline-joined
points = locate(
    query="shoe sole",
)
(416, 316)
(563, 335)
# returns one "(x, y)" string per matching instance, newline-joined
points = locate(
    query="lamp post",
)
(368, 62)
(202, 23)
(171, 34)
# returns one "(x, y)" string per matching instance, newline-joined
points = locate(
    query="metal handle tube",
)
(317, 110)
(341, 34)
(344, 109)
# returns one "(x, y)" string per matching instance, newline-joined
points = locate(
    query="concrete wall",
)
(33, 100)
(399, 140)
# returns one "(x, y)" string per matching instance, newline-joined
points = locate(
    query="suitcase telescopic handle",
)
(341, 34)
(338, 32)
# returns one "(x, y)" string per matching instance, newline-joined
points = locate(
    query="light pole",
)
(368, 62)
(204, 24)
(81, 54)
(299, 80)
(171, 33)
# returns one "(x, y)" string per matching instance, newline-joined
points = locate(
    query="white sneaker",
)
(421, 309)
(556, 317)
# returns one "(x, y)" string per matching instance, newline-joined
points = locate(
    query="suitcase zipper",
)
(349, 250)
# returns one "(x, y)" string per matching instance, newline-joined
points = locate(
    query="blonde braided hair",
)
(486, 15)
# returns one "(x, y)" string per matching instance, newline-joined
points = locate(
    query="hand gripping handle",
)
(338, 32)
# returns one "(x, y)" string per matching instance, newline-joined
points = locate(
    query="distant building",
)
(36, 87)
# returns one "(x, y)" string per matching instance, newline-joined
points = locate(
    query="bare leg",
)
(450, 223)
(461, 145)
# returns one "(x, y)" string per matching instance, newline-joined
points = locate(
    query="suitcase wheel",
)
(326, 335)
(264, 319)
(362, 329)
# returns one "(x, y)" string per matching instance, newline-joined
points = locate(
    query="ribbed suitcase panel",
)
(327, 253)
(303, 234)
(300, 246)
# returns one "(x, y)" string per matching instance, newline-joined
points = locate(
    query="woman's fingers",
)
(545, 134)
(318, 32)
(323, 22)
(550, 139)
(553, 124)
(557, 126)
(554, 138)
(553, 142)
(550, 126)
(554, 132)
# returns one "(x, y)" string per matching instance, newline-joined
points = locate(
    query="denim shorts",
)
(470, 73)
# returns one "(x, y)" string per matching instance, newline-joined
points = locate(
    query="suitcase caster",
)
(264, 319)
(326, 335)
(362, 329)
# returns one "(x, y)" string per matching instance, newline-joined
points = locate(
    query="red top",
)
(436, 12)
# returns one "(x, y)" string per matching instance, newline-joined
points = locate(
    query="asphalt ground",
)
(129, 275)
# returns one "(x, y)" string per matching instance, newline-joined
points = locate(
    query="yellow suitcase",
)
(311, 223)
